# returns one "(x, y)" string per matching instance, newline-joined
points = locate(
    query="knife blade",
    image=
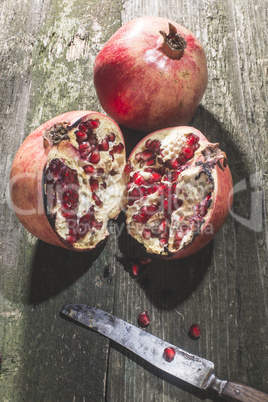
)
(190, 368)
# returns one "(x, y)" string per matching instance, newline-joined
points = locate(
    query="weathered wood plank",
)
(47, 53)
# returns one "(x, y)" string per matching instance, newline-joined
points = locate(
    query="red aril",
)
(144, 319)
(151, 74)
(190, 199)
(60, 185)
(169, 354)
(194, 331)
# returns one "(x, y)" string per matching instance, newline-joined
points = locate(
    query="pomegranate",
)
(179, 191)
(66, 180)
(151, 74)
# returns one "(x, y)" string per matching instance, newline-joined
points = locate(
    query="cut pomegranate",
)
(169, 354)
(194, 331)
(71, 204)
(144, 319)
(177, 205)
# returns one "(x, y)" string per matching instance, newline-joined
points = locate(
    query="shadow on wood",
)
(55, 269)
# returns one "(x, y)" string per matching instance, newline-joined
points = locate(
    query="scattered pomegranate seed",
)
(144, 319)
(169, 354)
(145, 260)
(134, 270)
(194, 331)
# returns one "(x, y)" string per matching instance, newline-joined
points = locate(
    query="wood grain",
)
(47, 50)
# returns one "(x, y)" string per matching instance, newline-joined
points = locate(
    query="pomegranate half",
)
(151, 74)
(66, 179)
(179, 191)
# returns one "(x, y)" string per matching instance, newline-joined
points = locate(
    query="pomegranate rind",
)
(27, 179)
(221, 195)
(141, 87)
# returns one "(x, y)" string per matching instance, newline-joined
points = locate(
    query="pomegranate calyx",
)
(174, 43)
(57, 133)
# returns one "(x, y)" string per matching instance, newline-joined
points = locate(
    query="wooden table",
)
(47, 52)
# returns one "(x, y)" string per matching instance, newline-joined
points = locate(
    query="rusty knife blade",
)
(190, 368)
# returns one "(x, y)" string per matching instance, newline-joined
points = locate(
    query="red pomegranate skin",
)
(26, 180)
(222, 197)
(140, 86)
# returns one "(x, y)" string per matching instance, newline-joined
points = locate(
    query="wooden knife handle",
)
(234, 391)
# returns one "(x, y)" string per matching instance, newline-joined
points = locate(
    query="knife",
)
(192, 369)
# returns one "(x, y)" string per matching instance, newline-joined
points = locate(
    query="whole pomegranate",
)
(179, 191)
(151, 74)
(66, 179)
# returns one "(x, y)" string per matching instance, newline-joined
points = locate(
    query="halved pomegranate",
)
(67, 181)
(179, 191)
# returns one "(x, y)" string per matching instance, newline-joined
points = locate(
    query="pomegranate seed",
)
(94, 157)
(144, 319)
(71, 239)
(128, 168)
(103, 146)
(111, 137)
(188, 152)
(134, 270)
(84, 146)
(179, 236)
(98, 202)
(91, 124)
(161, 189)
(139, 180)
(148, 144)
(182, 159)
(145, 260)
(192, 139)
(162, 226)
(146, 155)
(80, 136)
(155, 177)
(149, 162)
(90, 170)
(100, 172)
(195, 331)
(138, 156)
(169, 354)
(147, 234)
(163, 242)
(118, 148)
(94, 184)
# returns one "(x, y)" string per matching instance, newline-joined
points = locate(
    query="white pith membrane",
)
(195, 185)
(109, 190)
